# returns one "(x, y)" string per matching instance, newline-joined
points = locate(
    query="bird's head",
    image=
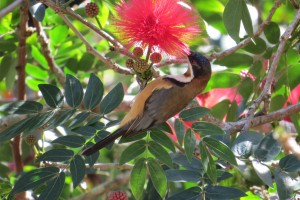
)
(200, 64)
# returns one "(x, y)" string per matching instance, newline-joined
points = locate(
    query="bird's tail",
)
(104, 142)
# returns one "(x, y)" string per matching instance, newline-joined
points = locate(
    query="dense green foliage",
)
(204, 153)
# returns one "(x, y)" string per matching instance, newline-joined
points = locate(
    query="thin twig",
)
(109, 63)
(45, 48)
(10, 8)
(234, 127)
(271, 73)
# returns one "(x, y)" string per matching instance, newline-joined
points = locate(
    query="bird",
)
(160, 100)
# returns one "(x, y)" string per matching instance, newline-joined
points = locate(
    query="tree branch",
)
(272, 70)
(234, 127)
(45, 48)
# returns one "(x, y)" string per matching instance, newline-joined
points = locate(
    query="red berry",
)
(138, 52)
(118, 196)
(91, 9)
(155, 57)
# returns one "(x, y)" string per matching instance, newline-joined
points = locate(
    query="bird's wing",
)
(158, 109)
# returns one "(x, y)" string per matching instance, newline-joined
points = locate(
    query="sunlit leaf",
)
(138, 178)
(158, 177)
(193, 114)
(160, 153)
(133, 151)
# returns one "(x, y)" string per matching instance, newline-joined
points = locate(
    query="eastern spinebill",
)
(161, 99)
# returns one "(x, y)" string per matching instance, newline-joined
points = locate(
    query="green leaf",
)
(39, 121)
(56, 155)
(112, 99)
(34, 178)
(22, 107)
(14, 130)
(77, 168)
(290, 163)
(208, 163)
(232, 114)
(223, 80)
(73, 91)
(160, 153)
(277, 102)
(93, 93)
(263, 172)
(181, 159)
(5, 65)
(86, 131)
(39, 57)
(220, 110)
(192, 193)
(61, 118)
(132, 138)
(58, 34)
(138, 178)
(91, 159)
(86, 62)
(256, 47)
(235, 60)
(158, 177)
(221, 192)
(177, 175)
(245, 144)
(179, 130)
(162, 138)
(267, 149)
(189, 144)
(36, 72)
(220, 150)
(132, 151)
(232, 18)
(272, 32)
(54, 188)
(205, 128)
(79, 119)
(53, 96)
(246, 19)
(73, 141)
(193, 114)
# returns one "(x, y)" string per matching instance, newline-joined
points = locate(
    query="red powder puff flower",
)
(167, 25)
